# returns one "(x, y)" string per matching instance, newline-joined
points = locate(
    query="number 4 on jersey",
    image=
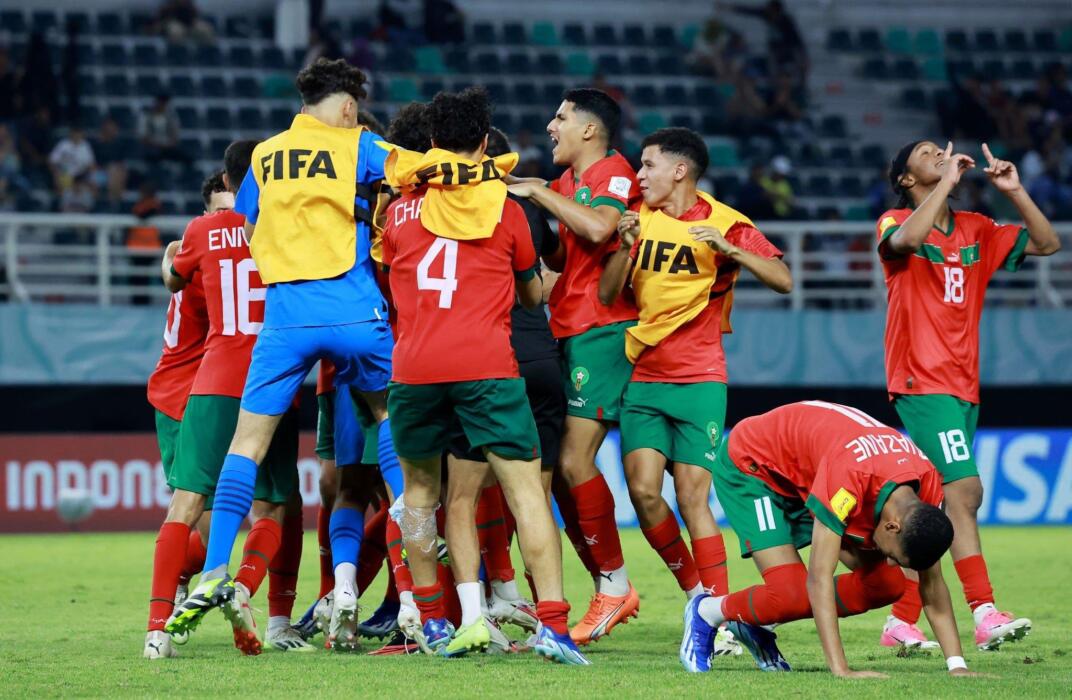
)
(448, 283)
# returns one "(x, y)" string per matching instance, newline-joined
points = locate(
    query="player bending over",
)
(682, 252)
(938, 263)
(454, 245)
(858, 492)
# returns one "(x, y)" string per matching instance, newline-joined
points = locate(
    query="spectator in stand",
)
(79, 197)
(444, 23)
(785, 47)
(393, 28)
(321, 45)
(973, 196)
(784, 108)
(180, 20)
(752, 199)
(1058, 98)
(1008, 117)
(71, 158)
(159, 132)
(964, 112)
(143, 239)
(878, 194)
(8, 105)
(747, 111)
(111, 174)
(37, 82)
(35, 143)
(12, 183)
(600, 82)
(719, 51)
(779, 191)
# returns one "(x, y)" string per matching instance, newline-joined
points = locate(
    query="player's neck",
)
(681, 199)
(941, 221)
(590, 156)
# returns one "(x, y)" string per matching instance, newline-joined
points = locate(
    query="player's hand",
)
(629, 228)
(954, 165)
(1002, 173)
(861, 674)
(172, 250)
(712, 237)
(523, 189)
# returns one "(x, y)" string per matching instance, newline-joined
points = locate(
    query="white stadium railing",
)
(84, 258)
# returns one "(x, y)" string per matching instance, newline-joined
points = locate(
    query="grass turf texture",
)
(74, 610)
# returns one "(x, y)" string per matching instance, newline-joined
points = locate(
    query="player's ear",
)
(681, 171)
(226, 181)
(590, 131)
(907, 181)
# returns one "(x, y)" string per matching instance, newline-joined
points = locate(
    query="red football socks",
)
(975, 580)
(908, 606)
(665, 539)
(262, 543)
(195, 557)
(867, 589)
(323, 538)
(554, 614)
(595, 513)
(399, 570)
(283, 571)
(710, 556)
(373, 549)
(492, 533)
(572, 523)
(782, 597)
(429, 600)
(168, 560)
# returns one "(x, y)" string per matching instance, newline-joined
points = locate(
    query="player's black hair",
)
(409, 128)
(598, 104)
(236, 161)
(326, 77)
(459, 121)
(926, 534)
(212, 184)
(681, 142)
(498, 143)
(898, 167)
(368, 120)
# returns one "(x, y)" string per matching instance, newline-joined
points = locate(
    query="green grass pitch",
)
(73, 609)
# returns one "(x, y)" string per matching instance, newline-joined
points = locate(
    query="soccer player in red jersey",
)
(454, 245)
(215, 249)
(858, 492)
(682, 252)
(597, 186)
(938, 263)
(167, 390)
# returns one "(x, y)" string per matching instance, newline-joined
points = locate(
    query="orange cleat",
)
(604, 612)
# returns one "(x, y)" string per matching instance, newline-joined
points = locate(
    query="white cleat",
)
(409, 621)
(286, 638)
(725, 643)
(181, 591)
(518, 612)
(239, 613)
(342, 629)
(500, 643)
(158, 645)
(322, 612)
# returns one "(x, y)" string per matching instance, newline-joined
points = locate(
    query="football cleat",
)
(342, 628)
(500, 643)
(240, 614)
(397, 645)
(604, 613)
(383, 622)
(181, 591)
(726, 644)
(206, 596)
(697, 642)
(518, 612)
(898, 633)
(322, 612)
(409, 621)
(761, 643)
(287, 638)
(158, 645)
(559, 648)
(1000, 627)
(306, 624)
(434, 635)
(467, 638)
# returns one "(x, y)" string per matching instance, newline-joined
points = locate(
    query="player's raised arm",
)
(912, 170)
(612, 281)
(825, 551)
(1003, 176)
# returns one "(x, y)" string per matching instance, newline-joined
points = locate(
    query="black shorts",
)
(543, 385)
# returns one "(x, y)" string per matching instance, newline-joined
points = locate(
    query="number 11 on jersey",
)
(448, 283)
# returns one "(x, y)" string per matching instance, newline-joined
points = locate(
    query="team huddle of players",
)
(417, 286)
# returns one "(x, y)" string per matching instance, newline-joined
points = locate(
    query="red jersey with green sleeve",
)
(840, 461)
(214, 247)
(574, 301)
(184, 345)
(936, 300)
(454, 297)
(693, 353)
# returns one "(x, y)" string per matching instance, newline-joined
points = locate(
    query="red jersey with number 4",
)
(936, 300)
(574, 301)
(453, 296)
(184, 345)
(693, 352)
(840, 461)
(214, 246)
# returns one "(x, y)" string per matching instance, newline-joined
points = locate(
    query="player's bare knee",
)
(185, 507)
(964, 497)
(645, 496)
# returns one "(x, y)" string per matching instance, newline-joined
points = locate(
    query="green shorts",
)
(204, 438)
(761, 517)
(597, 371)
(326, 422)
(167, 437)
(494, 414)
(943, 426)
(682, 421)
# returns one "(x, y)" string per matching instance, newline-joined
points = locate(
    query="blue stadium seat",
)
(189, 117)
(148, 85)
(496, 91)
(726, 186)
(684, 120)
(513, 33)
(177, 56)
(124, 116)
(147, 55)
(400, 61)
(634, 35)
(89, 117)
(956, 40)
(1044, 40)
(88, 83)
(239, 26)
(549, 63)
(110, 24)
(246, 87)
(706, 96)
(851, 185)
(518, 63)
(217, 146)
(914, 97)
(839, 156)
(77, 18)
(604, 35)
(218, 119)
(214, 86)
(525, 93)
(551, 95)
(487, 62)
(994, 68)
(869, 40)
(669, 64)
(141, 22)
(114, 55)
(839, 40)
(833, 127)
(182, 85)
(574, 35)
(663, 37)
(457, 60)
(645, 95)
(905, 69)
(279, 118)
(240, 57)
(13, 21)
(250, 119)
(1022, 69)
(1016, 41)
(875, 69)
(986, 40)
(534, 122)
(44, 20)
(86, 55)
(483, 33)
(872, 155)
(609, 64)
(361, 28)
(266, 27)
(506, 121)
(272, 58)
(116, 85)
(209, 56)
(429, 88)
(639, 64)
(675, 95)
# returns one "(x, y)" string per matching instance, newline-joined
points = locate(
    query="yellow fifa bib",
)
(308, 183)
(673, 274)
